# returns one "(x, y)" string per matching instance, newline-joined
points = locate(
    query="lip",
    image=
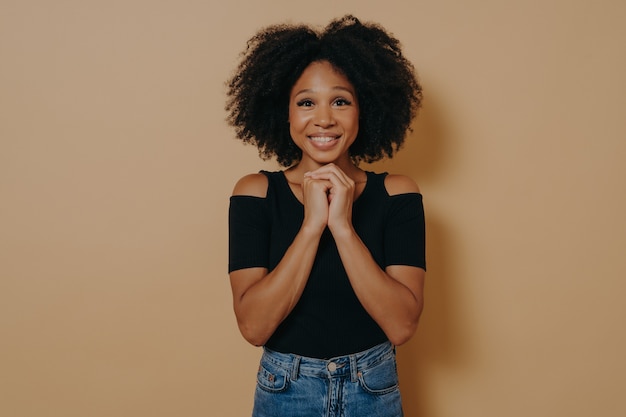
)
(323, 140)
(324, 136)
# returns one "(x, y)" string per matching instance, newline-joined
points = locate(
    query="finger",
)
(327, 170)
(335, 176)
(316, 188)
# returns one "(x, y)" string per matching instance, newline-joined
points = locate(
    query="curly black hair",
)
(387, 89)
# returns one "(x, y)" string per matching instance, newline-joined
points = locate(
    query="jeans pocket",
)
(271, 377)
(380, 379)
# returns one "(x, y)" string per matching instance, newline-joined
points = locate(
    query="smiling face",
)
(323, 115)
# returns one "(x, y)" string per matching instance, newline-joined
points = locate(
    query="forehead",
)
(321, 75)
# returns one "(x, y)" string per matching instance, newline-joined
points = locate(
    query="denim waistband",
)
(341, 366)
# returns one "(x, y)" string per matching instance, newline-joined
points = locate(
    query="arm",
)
(393, 297)
(263, 300)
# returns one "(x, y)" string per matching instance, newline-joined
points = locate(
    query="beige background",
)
(116, 167)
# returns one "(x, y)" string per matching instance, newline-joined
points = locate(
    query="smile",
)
(322, 139)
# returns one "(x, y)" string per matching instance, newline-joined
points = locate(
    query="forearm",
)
(393, 305)
(262, 306)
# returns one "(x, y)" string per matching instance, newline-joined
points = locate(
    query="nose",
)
(324, 116)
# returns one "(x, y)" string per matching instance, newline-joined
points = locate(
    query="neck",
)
(346, 166)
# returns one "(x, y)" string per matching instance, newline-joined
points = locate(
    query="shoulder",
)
(254, 185)
(400, 184)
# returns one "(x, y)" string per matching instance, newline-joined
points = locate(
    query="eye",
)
(342, 102)
(304, 103)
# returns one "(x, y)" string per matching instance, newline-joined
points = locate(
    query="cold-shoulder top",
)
(328, 320)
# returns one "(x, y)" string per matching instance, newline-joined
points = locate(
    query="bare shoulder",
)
(254, 185)
(400, 184)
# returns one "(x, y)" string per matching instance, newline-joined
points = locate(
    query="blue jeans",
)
(359, 385)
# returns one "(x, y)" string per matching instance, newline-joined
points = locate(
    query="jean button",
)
(332, 367)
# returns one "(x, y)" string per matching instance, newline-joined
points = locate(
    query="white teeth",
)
(322, 139)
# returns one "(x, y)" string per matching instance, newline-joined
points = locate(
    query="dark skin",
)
(324, 119)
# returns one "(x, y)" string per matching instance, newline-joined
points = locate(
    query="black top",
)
(328, 320)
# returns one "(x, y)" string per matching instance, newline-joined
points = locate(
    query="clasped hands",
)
(328, 194)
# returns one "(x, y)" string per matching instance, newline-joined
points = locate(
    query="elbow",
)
(404, 332)
(254, 328)
(254, 341)
(252, 334)
(402, 335)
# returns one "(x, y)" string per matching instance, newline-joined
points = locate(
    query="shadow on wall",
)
(436, 345)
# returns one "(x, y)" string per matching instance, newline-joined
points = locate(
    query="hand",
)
(316, 203)
(338, 188)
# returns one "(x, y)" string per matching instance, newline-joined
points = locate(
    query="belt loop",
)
(353, 370)
(295, 367)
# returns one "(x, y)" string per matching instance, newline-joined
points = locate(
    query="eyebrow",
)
(338, 87)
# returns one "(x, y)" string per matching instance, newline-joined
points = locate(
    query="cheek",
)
(291, 131)
(351, 121)
(295, 128)
(297, 121)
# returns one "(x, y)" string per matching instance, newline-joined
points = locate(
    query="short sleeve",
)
(405, 234)
(248, 233)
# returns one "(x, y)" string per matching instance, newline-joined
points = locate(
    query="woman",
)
(326, 260)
